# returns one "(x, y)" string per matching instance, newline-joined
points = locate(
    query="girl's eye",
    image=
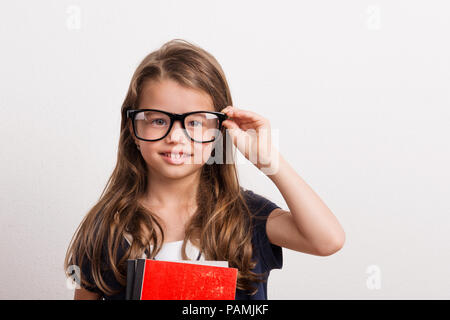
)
(158, 121)
(194, 123)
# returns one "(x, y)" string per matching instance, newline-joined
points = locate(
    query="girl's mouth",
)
(175, 158)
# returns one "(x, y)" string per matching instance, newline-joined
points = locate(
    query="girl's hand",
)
(251, 134)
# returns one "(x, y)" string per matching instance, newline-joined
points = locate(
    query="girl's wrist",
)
(269, 164)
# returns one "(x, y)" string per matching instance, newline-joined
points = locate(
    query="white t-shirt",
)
(171, 251)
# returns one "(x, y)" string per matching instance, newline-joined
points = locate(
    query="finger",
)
(226, 109)
(245, 124)
(234, 131)
(230, 124)
(245, 114)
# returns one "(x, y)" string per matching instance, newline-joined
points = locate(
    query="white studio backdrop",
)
(358, 91)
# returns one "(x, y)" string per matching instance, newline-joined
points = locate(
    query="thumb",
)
(233, 129)
(238, 136)
(230, 124)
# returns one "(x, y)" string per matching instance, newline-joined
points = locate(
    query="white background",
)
(359, 91)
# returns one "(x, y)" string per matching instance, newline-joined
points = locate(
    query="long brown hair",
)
(222, 225)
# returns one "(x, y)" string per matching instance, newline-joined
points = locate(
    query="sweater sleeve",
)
(271, 255)
(106, 272)
(86, 274)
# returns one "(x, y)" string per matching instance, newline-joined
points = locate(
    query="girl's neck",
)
(172, 193)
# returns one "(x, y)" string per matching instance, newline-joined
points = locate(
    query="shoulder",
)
(261, 208)
(259, 205)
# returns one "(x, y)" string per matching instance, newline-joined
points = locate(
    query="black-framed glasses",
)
(154, 124)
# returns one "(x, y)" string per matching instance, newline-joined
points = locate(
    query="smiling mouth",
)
(176, 155)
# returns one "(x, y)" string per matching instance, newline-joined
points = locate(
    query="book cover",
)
(131, 267)
(180, 280)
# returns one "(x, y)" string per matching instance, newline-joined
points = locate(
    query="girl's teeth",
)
(175, 156)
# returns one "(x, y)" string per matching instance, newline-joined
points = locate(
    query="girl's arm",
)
(83, 294)
(309, 226)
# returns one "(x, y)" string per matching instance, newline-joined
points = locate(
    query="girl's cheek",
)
(201, 154)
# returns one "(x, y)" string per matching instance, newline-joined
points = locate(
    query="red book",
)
(170, 280)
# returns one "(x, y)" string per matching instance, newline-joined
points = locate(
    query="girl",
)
(166, 200)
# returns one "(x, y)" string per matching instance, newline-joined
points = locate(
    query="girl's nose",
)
(177, 133)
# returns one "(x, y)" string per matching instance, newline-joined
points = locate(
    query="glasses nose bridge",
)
(173, 118)
(177, 116)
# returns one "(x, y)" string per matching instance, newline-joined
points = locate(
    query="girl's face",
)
(169, 96)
